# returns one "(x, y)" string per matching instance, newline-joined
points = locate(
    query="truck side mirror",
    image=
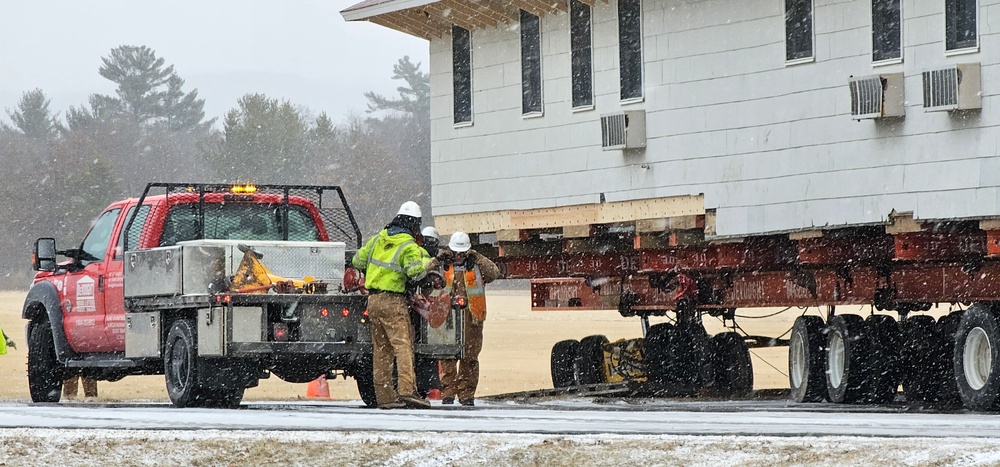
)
(43, 257)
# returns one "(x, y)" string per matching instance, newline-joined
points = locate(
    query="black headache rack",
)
(272, 217)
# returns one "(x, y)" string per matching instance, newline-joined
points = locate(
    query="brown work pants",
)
(391, 338)
(71, 385)
(459, 378)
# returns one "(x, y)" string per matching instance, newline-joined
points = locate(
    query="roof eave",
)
(391, 6)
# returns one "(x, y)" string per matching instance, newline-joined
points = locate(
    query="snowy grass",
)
(419, 449)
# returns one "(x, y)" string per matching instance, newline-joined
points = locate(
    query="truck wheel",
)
(656, 352)
(673, 359)
(366, 382)
(807, 360)
(563, 363)
(947, 326)
(590, 360)
(883, 365)
(920, 359)
(733, 370)
(846, 351)
(45, 373)
(180, 365)
(977, 358)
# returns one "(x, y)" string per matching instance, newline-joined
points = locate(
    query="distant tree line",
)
(59, 172)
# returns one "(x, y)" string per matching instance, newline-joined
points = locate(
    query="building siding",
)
(771, 146)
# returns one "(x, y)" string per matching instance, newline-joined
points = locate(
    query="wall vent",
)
(877, 96)
(623, 130)
(956, 87)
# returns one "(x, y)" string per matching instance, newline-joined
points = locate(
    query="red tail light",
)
(280, 332)
(324, 312)
(365, 313)
(345, 312)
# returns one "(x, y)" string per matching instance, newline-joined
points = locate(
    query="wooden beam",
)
(541, 7)
(902, 223)
(416, 16)
(497, 12)
(460, 13)
(670, 223)
(582, 214)
(805, 235)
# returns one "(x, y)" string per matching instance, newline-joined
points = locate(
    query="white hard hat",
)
(409, 208)
(459, 242)
(430, 232)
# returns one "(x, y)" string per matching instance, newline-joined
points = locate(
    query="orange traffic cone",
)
(318, 389)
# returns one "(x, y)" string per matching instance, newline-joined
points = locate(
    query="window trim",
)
(963, 50)
(472, 113)
(902, 35)
(541, 81)
(642, 65)
(812, 32)
(591, 105)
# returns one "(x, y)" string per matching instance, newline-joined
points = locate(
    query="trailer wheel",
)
(947, 381)
(977, 358)
(732, 367)
(674, 359)
(807, 360)
(590, 360)
(657, 352)
(180, 365)
(366, 382)
(45, 373)
(883, 366)
(846, 351)
(563, 363)
(920, 359)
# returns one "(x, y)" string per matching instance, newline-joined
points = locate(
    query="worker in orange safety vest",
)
(466, 273)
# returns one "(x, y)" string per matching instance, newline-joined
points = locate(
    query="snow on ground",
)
(212, 447)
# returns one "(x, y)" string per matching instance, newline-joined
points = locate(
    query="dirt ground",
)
(515, 353)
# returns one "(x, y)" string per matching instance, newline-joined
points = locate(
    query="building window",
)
(531, 63)
(461, 68)
(886, 30)
(581, 43)
(960, 24)
(798, 29)
(630, 48)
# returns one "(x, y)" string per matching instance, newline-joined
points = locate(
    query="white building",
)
(741, 108)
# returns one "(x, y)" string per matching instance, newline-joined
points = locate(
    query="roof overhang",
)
(434, 18)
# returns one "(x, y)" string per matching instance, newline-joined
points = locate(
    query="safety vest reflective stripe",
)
(475, 290)
(393, 263)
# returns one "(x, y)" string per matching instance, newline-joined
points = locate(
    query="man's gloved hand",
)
(446, 256)
(11, 344)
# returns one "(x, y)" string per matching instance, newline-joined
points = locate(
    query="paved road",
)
(777, 418)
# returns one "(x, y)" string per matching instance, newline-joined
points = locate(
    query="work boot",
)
(447, 400)
(415, 402)
(467, 402)
(393, 405)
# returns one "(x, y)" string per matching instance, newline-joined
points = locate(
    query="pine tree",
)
(33, 118)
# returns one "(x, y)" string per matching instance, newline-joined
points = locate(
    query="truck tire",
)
(846, 350)
(45, 373)
(590, 360)
(674, 359)
(731, 365)
(921, 343)
(807, 360)
(883, 365)
(563, 363)
(947, 383)
(180, 366)
(362, 370)
(656, 352)
(977, 358)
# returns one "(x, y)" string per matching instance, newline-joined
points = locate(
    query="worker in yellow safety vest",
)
(466, 274)
(390, 259)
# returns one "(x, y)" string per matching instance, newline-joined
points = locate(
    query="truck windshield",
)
(238, 221)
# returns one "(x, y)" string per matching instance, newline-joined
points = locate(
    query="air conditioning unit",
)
(877, 96)
(623, 130)
(956, 87)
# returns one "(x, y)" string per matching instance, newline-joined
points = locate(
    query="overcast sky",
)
(299, 50)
